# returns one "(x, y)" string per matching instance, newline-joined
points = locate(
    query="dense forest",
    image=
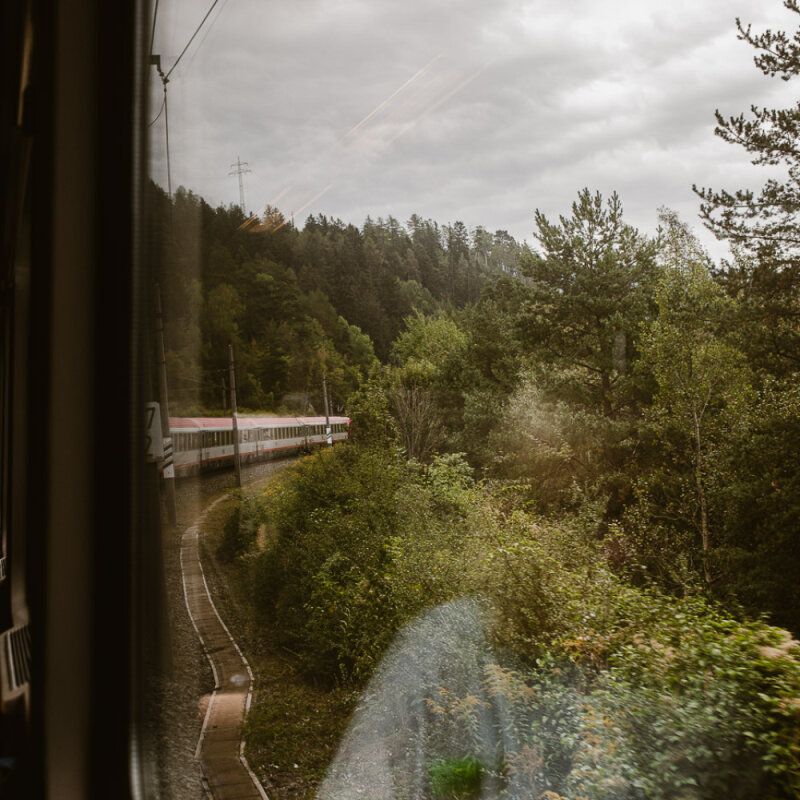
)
(296, 303)
(595, 436)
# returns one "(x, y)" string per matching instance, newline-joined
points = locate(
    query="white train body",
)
(206, 443)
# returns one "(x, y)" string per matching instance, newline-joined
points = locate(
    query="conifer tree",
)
(764, 227)
(590, 285)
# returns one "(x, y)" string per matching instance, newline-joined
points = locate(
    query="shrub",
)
(456, 778)
(616, 692)
(240, 530)
(364, 541)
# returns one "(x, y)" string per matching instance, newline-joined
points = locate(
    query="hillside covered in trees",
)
(603, 368)
(294, 303)
(594, 440)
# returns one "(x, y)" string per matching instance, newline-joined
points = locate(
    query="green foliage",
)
(423, 350)
(614, 692)
(543, 582)
(759, 551)
(371, 421)
(552, 446)
(240, 530)
(645, 698)
(363, 543)
(762, 227)
(590, 287)
(456, 778)
(704, 399)
(424, 353)
(475, 386)
(691, 702)
(283, 296)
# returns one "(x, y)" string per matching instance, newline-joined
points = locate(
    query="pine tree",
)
(764, 228)
(590, 285)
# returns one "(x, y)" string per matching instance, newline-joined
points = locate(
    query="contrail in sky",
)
(359, 125)
(250, 220)
(439, 102)
(304, 206)
(277, 197)
(388, 99)
(313, 199)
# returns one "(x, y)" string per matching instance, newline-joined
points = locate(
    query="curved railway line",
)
(220, 748)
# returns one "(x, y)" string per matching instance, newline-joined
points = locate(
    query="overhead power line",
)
(160, 112)
(155, 60)
(153, 31)
(172, 68)
(208, 30)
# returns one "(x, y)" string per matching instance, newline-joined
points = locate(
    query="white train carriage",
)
(206, 443)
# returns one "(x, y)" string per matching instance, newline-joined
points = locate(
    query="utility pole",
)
(232, 379)
(168, 469)
(155, 60)
(328, 435)
(241, 169)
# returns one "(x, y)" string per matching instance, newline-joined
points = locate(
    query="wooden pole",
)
(232, 380)
(328, 435)
(168, 468)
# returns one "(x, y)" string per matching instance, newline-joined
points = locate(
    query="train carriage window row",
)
(207, 443)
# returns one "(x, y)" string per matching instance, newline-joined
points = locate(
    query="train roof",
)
(210, 423)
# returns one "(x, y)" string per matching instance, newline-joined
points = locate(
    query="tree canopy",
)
(764, 227)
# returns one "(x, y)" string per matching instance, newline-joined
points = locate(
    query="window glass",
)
(571, 482)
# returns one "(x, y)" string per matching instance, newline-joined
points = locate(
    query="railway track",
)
(220, 749)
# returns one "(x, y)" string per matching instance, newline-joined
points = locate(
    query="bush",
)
(240, 530)
(456, 778)
(364, 541)
(615, 692)
(693, 703)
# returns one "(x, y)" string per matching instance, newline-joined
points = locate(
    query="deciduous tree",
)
(704, 389)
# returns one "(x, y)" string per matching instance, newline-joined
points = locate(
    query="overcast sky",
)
(479, 111)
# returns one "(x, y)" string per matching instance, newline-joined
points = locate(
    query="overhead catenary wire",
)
(156, 60)
(197, 30)
(207, 31)
(160, 112)
(153, 31)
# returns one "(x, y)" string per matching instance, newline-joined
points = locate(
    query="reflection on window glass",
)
(485, 420)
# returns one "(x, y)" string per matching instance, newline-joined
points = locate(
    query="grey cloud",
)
(609, 95)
